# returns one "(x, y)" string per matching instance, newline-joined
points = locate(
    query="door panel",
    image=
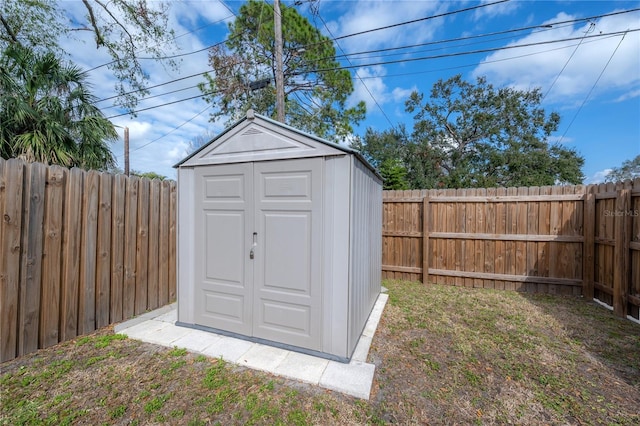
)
(276, 295)
(288, 203)
(224, 218)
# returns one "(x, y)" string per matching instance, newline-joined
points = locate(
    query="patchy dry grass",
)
(444, 355)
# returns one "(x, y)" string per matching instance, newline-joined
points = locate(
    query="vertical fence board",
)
(490, 246)
(425, 240)
(509, 246)
(142, 247)
(11, 187)
(103, 262)
(71, 242)
(51, 265)
(163, 246)
(588, 255)
(118, 206)
(31, 263)
(532, 247)
(521, 246)
(154, 240)
(88, 254)
(621, 252)
(130, 241)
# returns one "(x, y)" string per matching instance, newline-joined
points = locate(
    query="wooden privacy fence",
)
(80, 250)
(561, 239)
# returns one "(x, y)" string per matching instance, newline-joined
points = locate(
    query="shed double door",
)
(258, 255)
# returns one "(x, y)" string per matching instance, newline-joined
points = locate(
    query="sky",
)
(592, 78)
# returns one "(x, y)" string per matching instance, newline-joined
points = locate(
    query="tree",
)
(630, 169)
(474, 135)
(315, 90)
(47, 112)
(130, 30)
(396, 149)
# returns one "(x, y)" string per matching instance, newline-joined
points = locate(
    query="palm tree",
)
(47, 112)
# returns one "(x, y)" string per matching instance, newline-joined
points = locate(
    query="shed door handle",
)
(254, 245)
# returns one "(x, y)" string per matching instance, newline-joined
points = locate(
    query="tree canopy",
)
(470, 135)
(630, 169)
(129, 30)
(47, 112)
(316, 91)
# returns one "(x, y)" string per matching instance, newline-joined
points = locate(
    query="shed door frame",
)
(273, 208)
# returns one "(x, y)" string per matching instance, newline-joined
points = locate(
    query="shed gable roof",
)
(256, 138)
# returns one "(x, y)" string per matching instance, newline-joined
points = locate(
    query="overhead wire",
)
(592, 88)
(357, 75)
(589, 30)
(400, 47)
(602, 35)
(169, 132)
(472, 52)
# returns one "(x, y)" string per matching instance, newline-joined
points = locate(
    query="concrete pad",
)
(303, 367)
(262, 357)
(143, 330)
(197, 340)
(145, 317)
(361, 351)
(227, 348)
(353, 379)
(167, 335)
(376, 313)
(170, 317)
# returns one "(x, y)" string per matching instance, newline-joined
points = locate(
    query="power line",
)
(164, 104)
(485, 62)
(388, 49)
(171, 131)
(413, 21)
(592, 87)
(590, 29)
(605, 35)
(471, 52)
(358, 76)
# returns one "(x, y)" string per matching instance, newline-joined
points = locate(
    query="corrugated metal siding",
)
(365, 247)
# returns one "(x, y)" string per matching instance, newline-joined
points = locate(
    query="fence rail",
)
(80, 250)
(561, 239)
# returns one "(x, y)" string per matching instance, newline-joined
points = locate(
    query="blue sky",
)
(592, 81)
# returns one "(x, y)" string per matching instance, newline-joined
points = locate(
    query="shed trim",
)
(252, 116)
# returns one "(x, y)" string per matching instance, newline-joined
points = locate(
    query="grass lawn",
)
(444, 355)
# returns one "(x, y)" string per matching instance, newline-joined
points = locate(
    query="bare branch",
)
(6, 26)
(94, 24)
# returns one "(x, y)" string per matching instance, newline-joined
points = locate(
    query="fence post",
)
(425, 240)
(621, 251)
(589, 229)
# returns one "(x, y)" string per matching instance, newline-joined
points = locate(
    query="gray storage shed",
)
(279, 238)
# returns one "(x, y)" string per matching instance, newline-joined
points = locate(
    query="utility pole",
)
(277, 23)
(126, 151)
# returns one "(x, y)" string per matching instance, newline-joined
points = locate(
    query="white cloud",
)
(494, 10)
(541, 65)
(629, 95)
(400, 95)
(366, 15)
(597, 177)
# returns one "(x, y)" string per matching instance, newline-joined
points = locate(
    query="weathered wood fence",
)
(80, 250)
(561, 239)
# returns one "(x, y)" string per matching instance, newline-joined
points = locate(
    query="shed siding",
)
(335, 283)
(365, 248)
